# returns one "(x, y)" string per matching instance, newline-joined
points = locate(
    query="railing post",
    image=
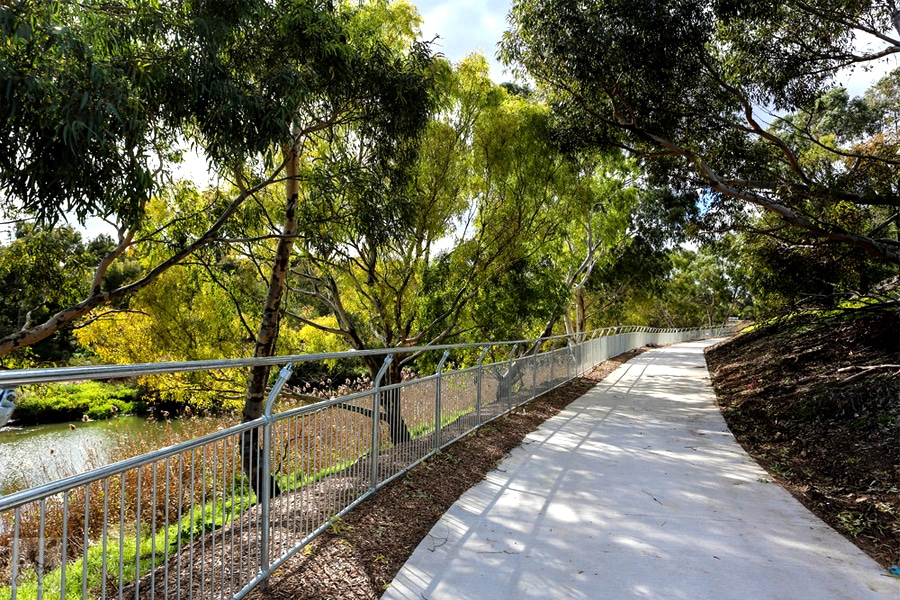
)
(575, 352)
(376, 417)
(537, 346)
(507, 383)
(552, 356)
(437, 402)
(479, 376)
(265, 494)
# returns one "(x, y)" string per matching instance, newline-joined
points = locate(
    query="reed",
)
(117, 529)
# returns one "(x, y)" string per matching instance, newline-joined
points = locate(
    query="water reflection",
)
(33, 455)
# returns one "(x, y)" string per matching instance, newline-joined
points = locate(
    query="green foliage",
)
(790, 272)
(680, 83)
(185, 316)
(626, 287)
(704, 288)
(83, 93)
(53, 403)
(517, 303)
(97, 97)
(42, 271)
(317, 340)
(482, 188)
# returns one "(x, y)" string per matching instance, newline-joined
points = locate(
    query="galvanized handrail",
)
(16, 377)
(339, 442)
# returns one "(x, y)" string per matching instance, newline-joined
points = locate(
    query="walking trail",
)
(636, 490)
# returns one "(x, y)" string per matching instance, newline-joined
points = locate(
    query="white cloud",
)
(466, 26)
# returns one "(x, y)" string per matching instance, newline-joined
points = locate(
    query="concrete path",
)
(636, 490)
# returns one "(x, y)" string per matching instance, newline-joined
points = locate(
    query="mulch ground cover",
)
(360, 554)
(815, 399)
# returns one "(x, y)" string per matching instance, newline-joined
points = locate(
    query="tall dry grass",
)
(151, 498)
(194, 492)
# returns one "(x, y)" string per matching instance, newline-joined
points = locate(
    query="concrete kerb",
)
(636, 490)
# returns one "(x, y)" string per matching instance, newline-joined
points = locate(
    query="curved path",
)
(636, 490)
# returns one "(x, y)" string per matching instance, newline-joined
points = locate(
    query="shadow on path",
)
(636, 490)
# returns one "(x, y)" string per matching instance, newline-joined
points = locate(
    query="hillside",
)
(816, 401)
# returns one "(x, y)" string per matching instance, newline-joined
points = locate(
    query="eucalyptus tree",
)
(625, 288)
(98, 95)
(704, 287)
(685, 86)
(41, 271)
(482, 184)
(601, 208)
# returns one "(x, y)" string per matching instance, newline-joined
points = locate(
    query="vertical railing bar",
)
(226, 564)
(508, 385)
(201, 533)
(65, 545)
(42, 523)
(193, 500)
(137, 538)
(552, 357)
(153, 532)
(103, 563)
(234, 491)
(479, 378)
(437, 401)
(121, 535)
(293, 439)
(376, 418)
(218, 504)
(179, 518)
(14, 571)
(231, 519)
(168, 524)
(246, 528)
(214, 511)
(86, 542)
(267, 476)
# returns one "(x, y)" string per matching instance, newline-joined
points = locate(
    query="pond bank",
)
(36, 454)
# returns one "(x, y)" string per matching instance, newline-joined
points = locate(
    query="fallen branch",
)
(863, 370)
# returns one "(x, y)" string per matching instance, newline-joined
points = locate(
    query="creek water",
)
(34, 455)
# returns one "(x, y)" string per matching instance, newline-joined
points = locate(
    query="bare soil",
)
(359, 556)
(816, 401)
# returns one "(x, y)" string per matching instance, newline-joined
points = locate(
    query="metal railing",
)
(186, 522)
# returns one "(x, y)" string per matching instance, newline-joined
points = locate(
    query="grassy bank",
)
(58, 403)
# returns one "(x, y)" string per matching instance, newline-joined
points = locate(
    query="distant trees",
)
(43, 270)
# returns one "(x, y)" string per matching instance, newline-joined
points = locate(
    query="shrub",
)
(53, 403)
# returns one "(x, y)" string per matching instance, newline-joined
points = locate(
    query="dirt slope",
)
(816, 401)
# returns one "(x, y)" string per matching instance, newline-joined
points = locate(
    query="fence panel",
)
(214, 516)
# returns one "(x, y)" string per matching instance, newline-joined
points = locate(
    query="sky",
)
(466, 26)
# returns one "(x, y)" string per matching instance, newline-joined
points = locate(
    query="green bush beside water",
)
(55, 403)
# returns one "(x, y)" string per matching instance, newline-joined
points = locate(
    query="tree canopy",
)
(687, 86)
(99, 98)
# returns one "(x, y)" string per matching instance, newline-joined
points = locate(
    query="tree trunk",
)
(580, 318)
(391, 405)
(266, 337)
